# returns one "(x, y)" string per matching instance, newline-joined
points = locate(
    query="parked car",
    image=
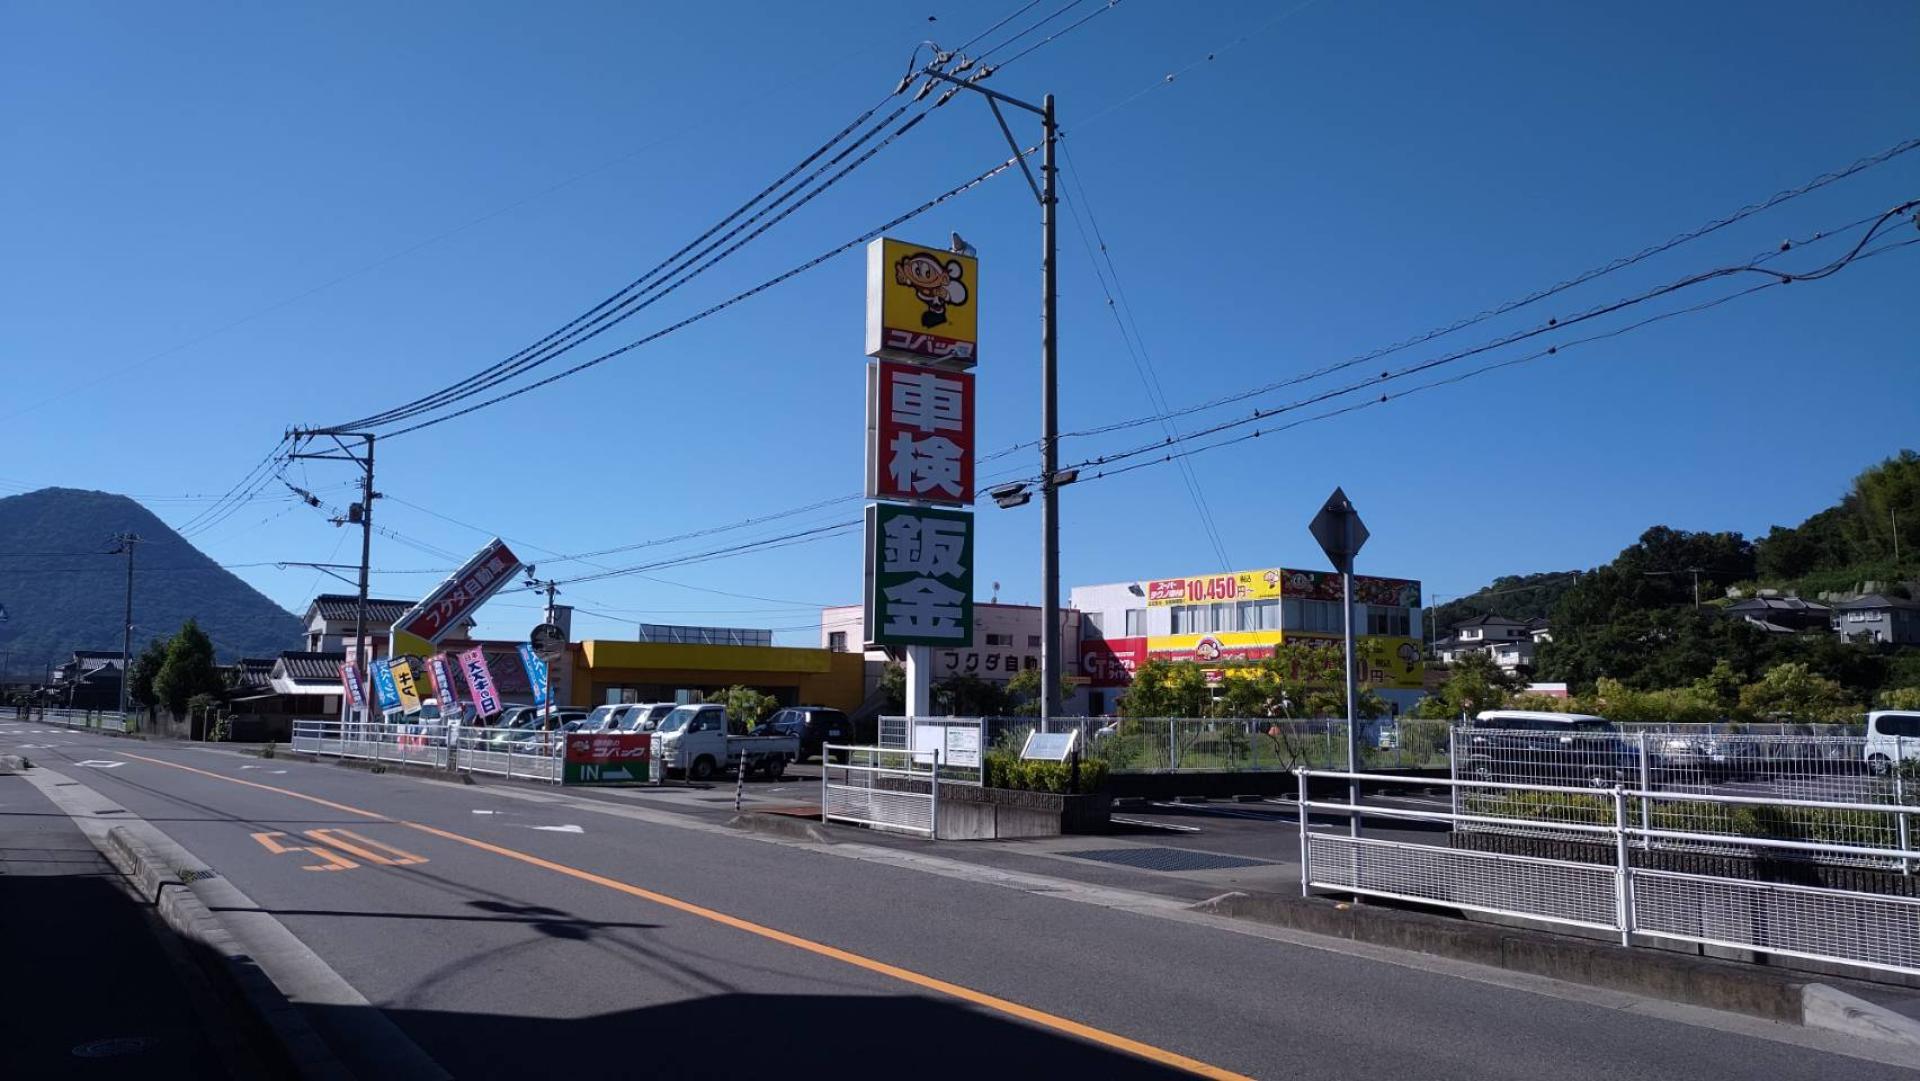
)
(543, 726)
(702, 740)
(1892, 736)
(510, 719)
(813, 726)
(600, 716)
(1525, 746)
(643, 717)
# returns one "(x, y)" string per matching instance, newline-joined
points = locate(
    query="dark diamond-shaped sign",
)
(1340, 531)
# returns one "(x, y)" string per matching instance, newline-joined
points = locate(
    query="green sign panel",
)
(919, 576)
(606, 758)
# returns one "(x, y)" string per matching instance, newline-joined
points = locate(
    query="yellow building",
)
(628, 671)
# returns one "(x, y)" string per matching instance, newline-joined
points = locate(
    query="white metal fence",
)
(105, 720)
(1176, 744)
(1853, 927)
(1704, 780)
(961, 742)
(506, 752)
(885, 788)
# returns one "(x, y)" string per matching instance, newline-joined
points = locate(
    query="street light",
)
(1050, 481)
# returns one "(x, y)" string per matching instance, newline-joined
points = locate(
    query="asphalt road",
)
(510, 931)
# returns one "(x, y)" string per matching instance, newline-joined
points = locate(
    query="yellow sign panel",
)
(922, 304)
(1385, 662)
(1217, 588)
(1389, 662)
(405, 683)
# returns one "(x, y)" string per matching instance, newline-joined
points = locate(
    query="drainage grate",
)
(195, 875)
(1166, 859)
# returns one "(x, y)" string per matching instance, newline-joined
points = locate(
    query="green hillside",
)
(62, 592)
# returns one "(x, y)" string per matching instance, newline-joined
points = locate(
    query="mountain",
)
(62, 591)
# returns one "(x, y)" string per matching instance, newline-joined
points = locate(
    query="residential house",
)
(1512, 643)
(1781, 615)
(1878, 617)
(90, 679)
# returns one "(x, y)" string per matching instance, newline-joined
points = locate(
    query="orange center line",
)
(965, 994)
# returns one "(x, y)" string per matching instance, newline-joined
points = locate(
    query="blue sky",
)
(223, 220)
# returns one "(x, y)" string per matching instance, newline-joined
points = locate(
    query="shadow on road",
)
(747, 1035)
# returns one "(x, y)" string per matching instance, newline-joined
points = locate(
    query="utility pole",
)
(123, 545)
(362, 514)
(1052, 479)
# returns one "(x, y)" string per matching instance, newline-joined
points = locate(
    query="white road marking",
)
(263, 767)
(1155, 825)
(100, 763)
(478, 812)
(558, 829)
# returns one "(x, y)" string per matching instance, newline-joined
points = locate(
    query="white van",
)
(1893, 735)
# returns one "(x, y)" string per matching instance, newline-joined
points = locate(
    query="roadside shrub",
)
(1004, 769)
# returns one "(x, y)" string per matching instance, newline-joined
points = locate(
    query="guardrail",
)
(1853, 927)
(885, 788)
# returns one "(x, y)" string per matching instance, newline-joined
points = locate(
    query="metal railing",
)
(511, 753)
(1823, 787)
(885, 788)
(962, 743)
(1853, 927)
(1176, 744)
(98, 719)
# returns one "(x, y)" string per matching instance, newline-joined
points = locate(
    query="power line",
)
(723, 305)
(626, 301)
(1541, 294)
(1142, 360)
(1550, 326)
(1103, 473)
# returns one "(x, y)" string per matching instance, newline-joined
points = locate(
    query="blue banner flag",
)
(536, 673)
(383, 686)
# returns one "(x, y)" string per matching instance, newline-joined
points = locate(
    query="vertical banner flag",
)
(919, 588)
(350, 679)
(473, 665)
(919, 433)
(383, 687)
(536, 673)
(443, 692)
(404, 684)
(922, 304)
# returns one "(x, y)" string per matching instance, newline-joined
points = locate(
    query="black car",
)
(812, 725)
(1523, 747)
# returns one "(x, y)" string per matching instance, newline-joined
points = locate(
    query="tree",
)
(188, 669)
(1167, 689)
(145, 668)
(1792, 690)
(893, 685)
(969, 696)
(744, 704)
(1900, 698)
(1475, 682)
(1023, 692)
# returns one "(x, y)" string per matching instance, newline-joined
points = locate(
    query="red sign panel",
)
(1111, 662)
(921, 423)
(608, 748)
(459, 595)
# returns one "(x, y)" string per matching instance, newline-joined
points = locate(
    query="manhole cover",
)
(1166, 859)
(118, 1045)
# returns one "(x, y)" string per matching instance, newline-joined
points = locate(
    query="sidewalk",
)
(93, 990)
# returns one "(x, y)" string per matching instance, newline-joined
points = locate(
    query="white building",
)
(1006, 641)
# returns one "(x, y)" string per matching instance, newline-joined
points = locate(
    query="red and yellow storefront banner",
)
(1216, 588)
(1384, 661)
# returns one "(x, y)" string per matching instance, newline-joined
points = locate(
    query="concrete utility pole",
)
(360, 513)
(124, 544)
(1052, 479)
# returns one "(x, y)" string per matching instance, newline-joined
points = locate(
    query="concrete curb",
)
(787, 826)
(1694, 981)
(1830, 1008)
(162, 885)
